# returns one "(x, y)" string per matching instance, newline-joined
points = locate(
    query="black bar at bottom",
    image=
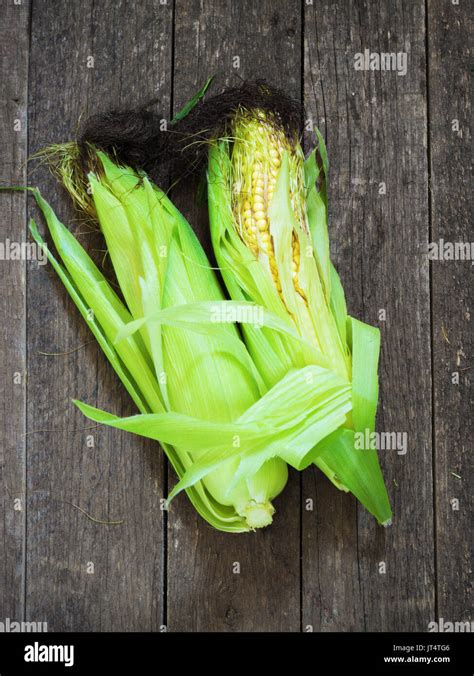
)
(376, 653)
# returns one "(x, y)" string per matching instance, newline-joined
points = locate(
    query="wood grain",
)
(375, 124)
(203, 591)
(14, 31)
(121, 477)
(450, 28)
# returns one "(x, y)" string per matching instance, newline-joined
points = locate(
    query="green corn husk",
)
(185, 366)
(268, 220)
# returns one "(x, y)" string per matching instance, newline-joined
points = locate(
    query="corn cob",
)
(159, 264)
(268, 225)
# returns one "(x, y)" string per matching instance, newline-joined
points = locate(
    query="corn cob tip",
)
(258, 514)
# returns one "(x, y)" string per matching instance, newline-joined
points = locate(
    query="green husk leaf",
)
(306, 405)
(311, 172)
(206, 316)
(322, 328)
(183, 431)
(282, 220)
(122, 244)
(338, 305)
(103, 304)
(358, 469)
(98, 332)
(365, 341)
(317, 220)
(189, 105)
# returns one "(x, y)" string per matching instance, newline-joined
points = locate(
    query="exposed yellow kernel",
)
(257, 166)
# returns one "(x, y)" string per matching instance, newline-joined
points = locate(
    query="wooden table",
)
(398, 180)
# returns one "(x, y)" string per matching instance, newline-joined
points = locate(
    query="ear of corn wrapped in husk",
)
(268, 220)
(185, 366)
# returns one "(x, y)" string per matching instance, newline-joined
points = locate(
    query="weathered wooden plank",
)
(449, 34)
(88, 57)
(249, 40)
(14, 27)
(375, 124)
